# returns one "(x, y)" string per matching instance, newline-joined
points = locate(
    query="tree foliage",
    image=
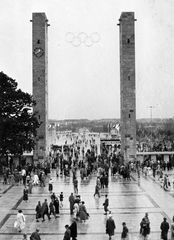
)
(156, 130)
(18, 125)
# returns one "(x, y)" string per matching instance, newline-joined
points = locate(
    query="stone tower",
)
(40, 81)
(127, 86)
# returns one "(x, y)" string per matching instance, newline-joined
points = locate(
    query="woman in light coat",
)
(76, 210)
(36, 179)
(20, 220)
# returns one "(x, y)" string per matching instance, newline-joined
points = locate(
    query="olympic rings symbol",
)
(82, 38)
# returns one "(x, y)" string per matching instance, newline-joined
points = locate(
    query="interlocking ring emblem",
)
(82, 38)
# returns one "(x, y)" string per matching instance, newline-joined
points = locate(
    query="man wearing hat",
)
(124, 234)
(73, 229)
(164, 229)
(67, 233)
(110, 226)
(35, 235)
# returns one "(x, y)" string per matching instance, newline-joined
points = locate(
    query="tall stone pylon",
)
(127, 86)
(40, 82)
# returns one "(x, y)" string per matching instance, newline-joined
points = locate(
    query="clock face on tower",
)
(38, 52)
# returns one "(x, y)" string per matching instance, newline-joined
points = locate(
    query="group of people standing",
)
(78, 208)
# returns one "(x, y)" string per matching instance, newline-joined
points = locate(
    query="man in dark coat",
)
(56, 204)
(164, 229)
(35, 235)
(38, 211)
(45, 210)
(71, 201)
(25, 194)
(73, 229)
(110, 226)
(106, 204)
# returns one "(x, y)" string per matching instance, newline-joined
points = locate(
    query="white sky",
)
(84, 82)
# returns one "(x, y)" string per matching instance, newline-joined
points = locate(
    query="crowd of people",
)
(67, 164)
(155, 146)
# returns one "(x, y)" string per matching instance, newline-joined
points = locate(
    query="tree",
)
(18, 124)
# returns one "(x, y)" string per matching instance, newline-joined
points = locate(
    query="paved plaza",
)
(129, 201)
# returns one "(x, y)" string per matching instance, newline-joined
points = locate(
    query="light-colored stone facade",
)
(40, 81)
(127, 86)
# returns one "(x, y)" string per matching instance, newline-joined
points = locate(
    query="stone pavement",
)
(129, 201)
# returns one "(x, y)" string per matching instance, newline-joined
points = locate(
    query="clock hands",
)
(38, 51)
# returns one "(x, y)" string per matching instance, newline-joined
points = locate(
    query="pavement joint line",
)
(94, 213)
(133, 178)
(152, 201)
(142, 189)
(7, 189)
(17, 204)
(165, 215)
(125, 193)
(4, 220)
(83, 183)
(62, 234)
(159, 184)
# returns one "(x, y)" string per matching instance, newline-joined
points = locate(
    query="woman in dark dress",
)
(56, 204)
(25, 194)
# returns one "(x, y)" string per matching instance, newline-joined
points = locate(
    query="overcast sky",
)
(84, 82)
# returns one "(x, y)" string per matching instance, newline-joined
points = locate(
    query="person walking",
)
(25, 194)
(106, 204)
(110, 226)
(73, 229)
(45, 210)
(172, 229)
(124, 234)
(61, 197)
(42, 179)
(35, 235)
(143, 228)
(36, 180)
(20, 221)
(67, 233)
(56, 204)
(23, 174)
(147, 223)
(57, 170)
(97, 191)
(38, 211)
(50, 185)
(71, 201)
(83, 212)
(75, 182)
(164, 229)
(52, 208)
(53, 196)
(165, 186)
(76, 210)
(97, 201)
